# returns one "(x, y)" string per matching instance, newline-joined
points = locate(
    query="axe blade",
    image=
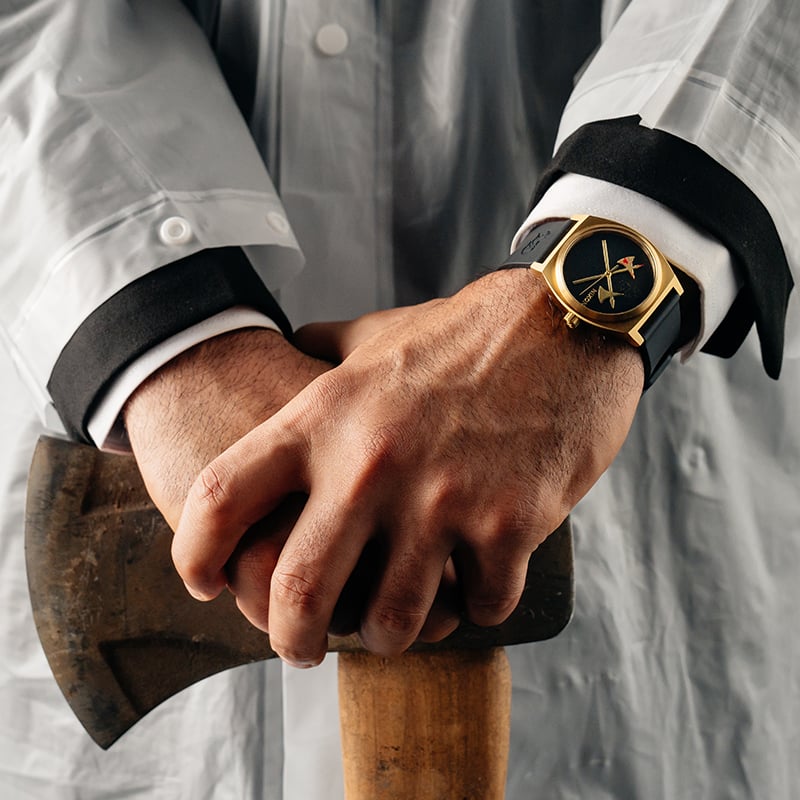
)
(120, 632)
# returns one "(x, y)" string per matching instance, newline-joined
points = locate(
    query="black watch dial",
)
(608, 273)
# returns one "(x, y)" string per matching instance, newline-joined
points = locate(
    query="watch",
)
(609, 276)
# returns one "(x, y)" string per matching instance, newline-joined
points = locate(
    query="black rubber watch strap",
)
(539, 243)
(661, 334)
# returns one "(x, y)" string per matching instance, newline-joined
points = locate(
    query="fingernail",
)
(197, 595)
(301, 663)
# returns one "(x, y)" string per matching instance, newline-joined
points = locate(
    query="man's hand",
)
(460, 434)
(204, 400)
(201, 402)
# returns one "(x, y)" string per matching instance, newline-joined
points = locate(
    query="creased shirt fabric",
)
(699, 255)
(395, 168)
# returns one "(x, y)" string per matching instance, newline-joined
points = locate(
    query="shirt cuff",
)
(105, 425)
(707, 261)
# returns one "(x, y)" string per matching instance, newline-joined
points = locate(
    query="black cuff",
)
(146, 312)
(686, 179)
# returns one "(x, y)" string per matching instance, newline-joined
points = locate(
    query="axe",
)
(122, 636)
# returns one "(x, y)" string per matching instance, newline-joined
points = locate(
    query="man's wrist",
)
(608, 276)
(204, 400)
(523, 294)
(252, 367)
(105, 425)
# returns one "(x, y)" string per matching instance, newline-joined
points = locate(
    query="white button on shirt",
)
(331, 40)
(175, 231)
(278, 222)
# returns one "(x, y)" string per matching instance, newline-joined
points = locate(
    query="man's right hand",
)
(196, 406)
(203, 400)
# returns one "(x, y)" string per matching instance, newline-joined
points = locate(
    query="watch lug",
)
(571, 319)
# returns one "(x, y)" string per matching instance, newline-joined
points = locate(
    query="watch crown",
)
(572, 319)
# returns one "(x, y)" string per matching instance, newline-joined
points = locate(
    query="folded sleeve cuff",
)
(105, 425)
(144, 314)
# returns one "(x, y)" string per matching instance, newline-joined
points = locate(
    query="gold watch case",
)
(609, 276)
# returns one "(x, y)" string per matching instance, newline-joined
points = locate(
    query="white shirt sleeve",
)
(111, 79)
(697, 253)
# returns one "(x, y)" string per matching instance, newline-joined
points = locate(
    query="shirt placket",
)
(334, 156)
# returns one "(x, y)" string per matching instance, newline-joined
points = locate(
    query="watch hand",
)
(603, 295)
(595, 280)
(602, 275)
(599, 277)
(626, 265)
(610, 296)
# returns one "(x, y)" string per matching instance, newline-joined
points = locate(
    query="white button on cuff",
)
(175, 230)
(331, 40)
(278, 222)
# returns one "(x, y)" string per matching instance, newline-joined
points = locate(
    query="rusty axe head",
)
(118, 628)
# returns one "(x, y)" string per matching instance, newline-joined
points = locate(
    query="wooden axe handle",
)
(426, 725)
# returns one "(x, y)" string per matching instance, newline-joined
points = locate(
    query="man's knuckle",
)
(298, 590)
(191, 571)
(325, 394)
(385, 445)
(446, 497)
(501, 528)
(504, 592)
(378, 459)
(297, 655)
(213, 491)
(399, 621)
(519, 518)
(492, 609)
(254, 609)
